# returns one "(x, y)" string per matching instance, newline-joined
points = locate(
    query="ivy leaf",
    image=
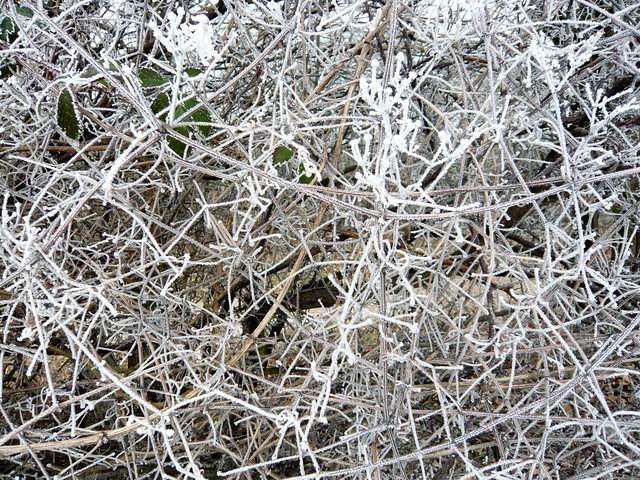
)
(281, 154)
(151, 78)
(68, 119)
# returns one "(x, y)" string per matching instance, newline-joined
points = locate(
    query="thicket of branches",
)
(313, 238)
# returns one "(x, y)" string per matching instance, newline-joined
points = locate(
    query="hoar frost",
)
(181, 37)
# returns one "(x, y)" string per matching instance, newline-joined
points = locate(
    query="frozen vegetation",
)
(352, 239)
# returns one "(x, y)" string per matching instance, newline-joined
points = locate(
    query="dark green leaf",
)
(151, 78)
(281, 154)
(193, 72)
(92, 72)
(8, 30)
(176, 145)
(201, 115)
(160, 103)
(68, 119)
(8, 70)
(305, 179)
(25, 11)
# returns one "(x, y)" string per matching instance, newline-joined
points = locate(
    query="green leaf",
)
(25, 11)
(203, 117)
(176, 145)
(90, 72)
(193, 72)
(8, 70)
(305, 179)
(8, 33)
(200, 116)
(160, 103)
(94, 74)
(281, 154)
(151, 78)
(8, 30)
(68, 119)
